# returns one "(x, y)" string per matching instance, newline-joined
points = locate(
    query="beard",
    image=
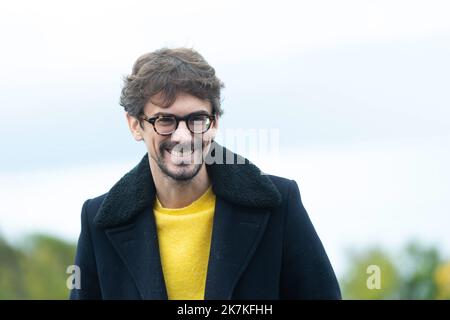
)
(181, 162)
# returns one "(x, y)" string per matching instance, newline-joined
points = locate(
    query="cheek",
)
(208, 136)
(152, 142)
(154, 146)
(156, 142)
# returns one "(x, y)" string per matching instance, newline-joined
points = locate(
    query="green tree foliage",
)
(35, 268)
(354, 283)
(11, 281)
(416, 272)
(418, 265)
(442, 279)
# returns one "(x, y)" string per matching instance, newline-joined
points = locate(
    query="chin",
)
(183, 172)
(178, 171)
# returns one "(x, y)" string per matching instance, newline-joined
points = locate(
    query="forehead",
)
(183, 104)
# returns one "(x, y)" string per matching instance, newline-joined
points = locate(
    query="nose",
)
(182, 134)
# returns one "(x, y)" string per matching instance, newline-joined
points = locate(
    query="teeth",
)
(180, 154)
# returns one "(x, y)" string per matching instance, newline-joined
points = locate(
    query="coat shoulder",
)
(283, 185)
(91, 207)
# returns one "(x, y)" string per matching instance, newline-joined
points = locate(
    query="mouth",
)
(179, 157)
(180, 154)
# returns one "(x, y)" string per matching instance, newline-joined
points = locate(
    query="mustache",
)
(169, 145)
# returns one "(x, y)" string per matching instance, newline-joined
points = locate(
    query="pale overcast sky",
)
(358, 90)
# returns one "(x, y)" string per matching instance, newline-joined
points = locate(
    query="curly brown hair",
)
(169, 72)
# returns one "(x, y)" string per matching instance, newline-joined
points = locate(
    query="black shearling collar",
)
(240, 183)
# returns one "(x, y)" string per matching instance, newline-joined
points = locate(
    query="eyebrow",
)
(189, 114)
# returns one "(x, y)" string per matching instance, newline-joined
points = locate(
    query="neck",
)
(178, 194)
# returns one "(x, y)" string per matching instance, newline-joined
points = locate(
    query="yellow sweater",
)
(184, 237)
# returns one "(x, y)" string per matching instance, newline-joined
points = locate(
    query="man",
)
(186, 222)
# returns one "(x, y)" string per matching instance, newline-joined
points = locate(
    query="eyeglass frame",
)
(152, 121)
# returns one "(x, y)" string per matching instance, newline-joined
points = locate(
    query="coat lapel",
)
(137, 245)
(236, 235)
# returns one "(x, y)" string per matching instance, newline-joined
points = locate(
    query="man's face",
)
(179, 155)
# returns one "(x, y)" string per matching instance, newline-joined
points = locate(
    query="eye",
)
(165, 121)
(199, 123)
(199, 117)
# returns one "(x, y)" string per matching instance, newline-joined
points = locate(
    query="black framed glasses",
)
(166, 124)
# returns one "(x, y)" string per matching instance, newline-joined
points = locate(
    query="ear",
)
(135, 127)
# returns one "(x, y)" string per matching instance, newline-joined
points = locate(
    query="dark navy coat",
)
(263, 243)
